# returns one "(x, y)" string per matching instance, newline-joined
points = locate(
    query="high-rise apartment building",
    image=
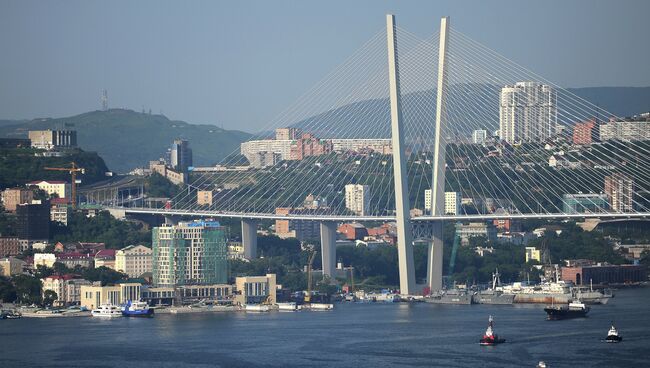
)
(181, 155)
(479, 136)
(527, 112)
(452, 202)
(620, 191)
(308, 145)
(585, 132)
(190, 253)
(627, 130)
(357, 199)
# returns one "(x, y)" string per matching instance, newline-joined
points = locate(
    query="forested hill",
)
(126, 139)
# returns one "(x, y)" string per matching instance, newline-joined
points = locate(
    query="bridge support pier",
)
(434, 259)
(328, 248)
(249, 238)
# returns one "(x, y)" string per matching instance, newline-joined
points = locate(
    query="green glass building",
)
(190, 253)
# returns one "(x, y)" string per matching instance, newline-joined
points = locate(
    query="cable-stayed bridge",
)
(419, 131)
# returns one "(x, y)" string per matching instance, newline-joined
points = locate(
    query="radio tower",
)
(104, 100)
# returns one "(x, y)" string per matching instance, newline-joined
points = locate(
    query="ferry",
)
(490, 338)
(613, 336)
(137, 309)
(107, 311)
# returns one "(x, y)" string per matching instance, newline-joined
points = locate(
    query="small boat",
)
(137, 309)
(321, 306)
(612, 335)
(575, 309)
(541, 364)
(107, 311)
(490, 338)
(257, 308)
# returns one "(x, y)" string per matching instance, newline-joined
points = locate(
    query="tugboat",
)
(490, 338)
(575, 309)
(612, 335)
(136, 309)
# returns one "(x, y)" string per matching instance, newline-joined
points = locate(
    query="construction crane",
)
(72, 170)
(309, 264)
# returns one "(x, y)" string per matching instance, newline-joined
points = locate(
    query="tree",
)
(28, 289)
(49, 297)
(103, 274)
(7, 290)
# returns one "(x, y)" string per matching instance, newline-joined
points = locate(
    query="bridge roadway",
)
(421, 226)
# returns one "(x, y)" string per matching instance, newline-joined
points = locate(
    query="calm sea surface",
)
(353, 335)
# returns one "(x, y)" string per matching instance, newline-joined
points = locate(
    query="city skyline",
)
(225, 85)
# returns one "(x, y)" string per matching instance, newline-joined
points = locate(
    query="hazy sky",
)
(238, 64)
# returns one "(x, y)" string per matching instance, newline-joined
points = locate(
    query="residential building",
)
(479, 136)
(11, 266)
(619, 188)
(53, 139)
(44, 259)
(33, 221)
(533, 254)
(357, 145)
(54, 188)
(105, 258)
(12, 197)
(308, 145)
(453, 202)
(527, 112)
(190, 253)
(255, 289)
(235, 250)
(181, 155)
(266, 152)
(204, 198)
(505, 224)
(66, 287)
(299, 229)
(476, 229)
(60, 210)
(585, 133)
(625, 130)
(282, 134)
(353, 231)
(134, 260)
(605, 274)
(9, 246)
(74, 259)
(176, 177)
(357, 199)
(584, 203)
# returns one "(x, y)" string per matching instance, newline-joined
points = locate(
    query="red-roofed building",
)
(353, 231)
(73, 259)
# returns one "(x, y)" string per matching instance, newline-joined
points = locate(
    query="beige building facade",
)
(134, 260)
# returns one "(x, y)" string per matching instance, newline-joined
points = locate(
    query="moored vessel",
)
(137, 309)
(495, 294)
(107, 311)
(321, 306)
(490, 338)
(257, 308)
(289, 307)
(451, 296)
(613, 336)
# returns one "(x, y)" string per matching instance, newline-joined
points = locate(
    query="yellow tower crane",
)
(73, 170)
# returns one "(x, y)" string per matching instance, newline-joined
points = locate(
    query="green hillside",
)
(127, 139)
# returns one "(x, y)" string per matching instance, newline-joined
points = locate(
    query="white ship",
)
(289, 307)
(257, 308)
(107, 311)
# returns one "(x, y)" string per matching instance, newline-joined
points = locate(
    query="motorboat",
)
(107, 311)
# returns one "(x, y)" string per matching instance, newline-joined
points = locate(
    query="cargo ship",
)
(574, 309)
(547, 292)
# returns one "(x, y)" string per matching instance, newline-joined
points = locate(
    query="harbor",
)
(361, 334)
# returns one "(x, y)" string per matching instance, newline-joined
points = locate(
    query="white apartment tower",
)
(357, 199)
(452, 202)
(479, 136)
(527, 112)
